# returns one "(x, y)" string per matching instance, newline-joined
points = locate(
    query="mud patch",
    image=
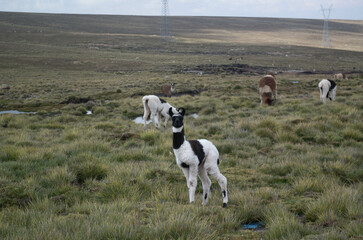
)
(228, 69)
(175, 94)
(188, 92)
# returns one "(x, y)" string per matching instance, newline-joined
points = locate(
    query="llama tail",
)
(145, 102)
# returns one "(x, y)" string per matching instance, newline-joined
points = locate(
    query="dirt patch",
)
(245, 69)
(176, 94)
(228, 69)
(188, 92)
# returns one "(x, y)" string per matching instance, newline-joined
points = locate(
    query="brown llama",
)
(168, 89)
(267, 88)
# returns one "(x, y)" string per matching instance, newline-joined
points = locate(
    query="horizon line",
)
(144, 15)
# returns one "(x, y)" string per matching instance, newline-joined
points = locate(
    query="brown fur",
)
(271, 73)
(267, 87)
(168, 89)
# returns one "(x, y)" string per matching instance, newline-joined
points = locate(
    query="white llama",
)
(156, 106)
(196, 157)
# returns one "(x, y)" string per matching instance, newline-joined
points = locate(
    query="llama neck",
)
(178, 137)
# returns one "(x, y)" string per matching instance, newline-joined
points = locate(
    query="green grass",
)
(295, 166)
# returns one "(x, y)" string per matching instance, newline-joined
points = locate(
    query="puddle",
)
(89, 113)
(295, 82)
(16, 112)
(140, 120)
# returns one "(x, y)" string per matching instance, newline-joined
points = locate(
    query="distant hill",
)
(347, 35)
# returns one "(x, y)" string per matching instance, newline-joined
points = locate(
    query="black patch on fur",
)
(162, 100)
(332, 84)
(224, 205)
(206, 196)
(327, 94)
(178, 139)
(224, 193)
(181, 111)
(218, 161)
(184, 165)
(198, 150)
(171, 112)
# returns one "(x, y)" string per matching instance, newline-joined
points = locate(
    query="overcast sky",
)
(342, 9)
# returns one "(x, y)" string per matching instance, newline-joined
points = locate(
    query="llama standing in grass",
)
(327, 89)
(196, 157)
(156, 106)
(168, 89)
(267, 88)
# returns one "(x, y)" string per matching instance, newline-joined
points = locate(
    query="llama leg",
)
(186, 174)
(260, 93)
(146, 115)
(333, 92)
(193, 172)
(206, 182)
(159, 119)
(222, 180)
(152, 116)
(166, 120)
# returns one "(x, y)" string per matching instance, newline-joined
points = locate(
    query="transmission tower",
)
(164, 28)
(326, 14)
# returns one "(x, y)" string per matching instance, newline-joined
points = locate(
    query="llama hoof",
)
(224, 205)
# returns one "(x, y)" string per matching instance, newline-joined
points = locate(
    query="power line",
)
(326, 37)
(164, 28)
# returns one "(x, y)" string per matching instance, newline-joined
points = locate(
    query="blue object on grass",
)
(253, 226)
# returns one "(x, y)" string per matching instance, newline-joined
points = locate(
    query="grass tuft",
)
(89, 170)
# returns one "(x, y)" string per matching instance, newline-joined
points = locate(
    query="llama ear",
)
(181, 111)
(170, 112)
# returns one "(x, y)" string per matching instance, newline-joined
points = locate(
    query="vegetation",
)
(296, 167)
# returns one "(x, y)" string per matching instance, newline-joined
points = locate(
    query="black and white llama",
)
(196, 157)
(327, 89)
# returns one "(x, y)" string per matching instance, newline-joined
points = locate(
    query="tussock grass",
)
(334, 205)
(282, 224)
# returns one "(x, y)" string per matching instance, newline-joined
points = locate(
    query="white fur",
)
(324, 86)
(264, 89)
(185, 154)
(155, 107)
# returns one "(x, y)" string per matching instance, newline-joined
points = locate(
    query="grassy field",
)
(296, 167)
